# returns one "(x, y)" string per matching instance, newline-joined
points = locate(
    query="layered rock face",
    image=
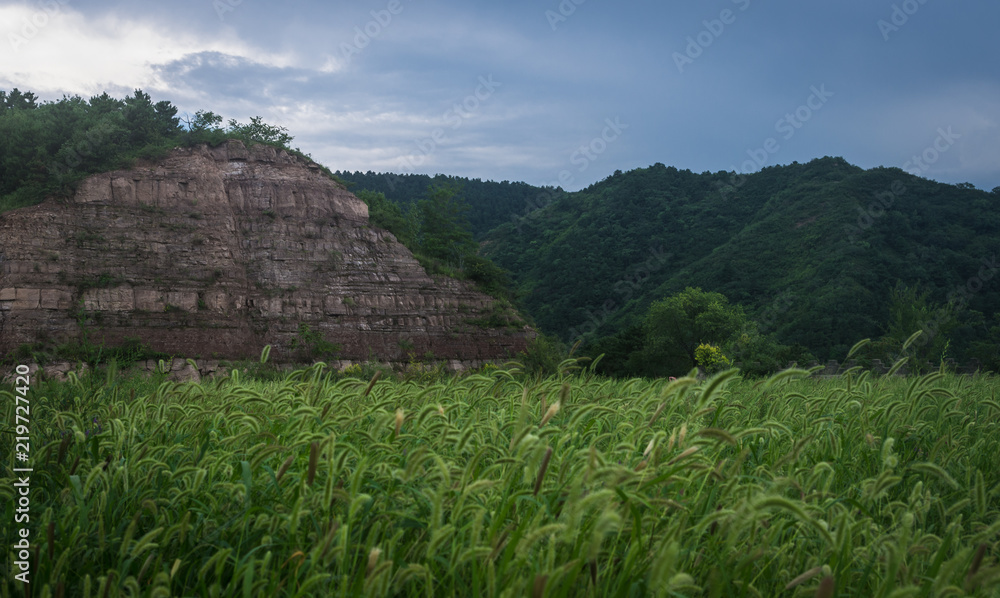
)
(219, 251)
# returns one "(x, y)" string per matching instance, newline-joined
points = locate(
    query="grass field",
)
(493, 484)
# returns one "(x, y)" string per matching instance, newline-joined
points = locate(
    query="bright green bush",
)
(711, 358)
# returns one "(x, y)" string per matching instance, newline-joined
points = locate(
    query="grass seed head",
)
(538, 589)
(977, 561)
(804, 577)
(313, 460)
(550, 413)
(284, 467)
(684, 431)
(399, 421)
(826, 588)
(541, 471)
(373, 559)
(649, 448)
(687, 453)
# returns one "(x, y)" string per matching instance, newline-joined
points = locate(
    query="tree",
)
(911, 310)
(259, 131)
(677, 325)
(16, 100)
(444, 231)
(385, 213)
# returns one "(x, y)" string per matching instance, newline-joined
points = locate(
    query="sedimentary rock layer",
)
(219, 251)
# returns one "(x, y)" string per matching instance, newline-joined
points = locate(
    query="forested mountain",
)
(819, 255)
(812, 251)
(493, 203)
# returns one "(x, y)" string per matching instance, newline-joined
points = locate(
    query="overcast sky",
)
(549, 92)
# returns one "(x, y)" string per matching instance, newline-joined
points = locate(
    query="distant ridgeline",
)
(491, 203)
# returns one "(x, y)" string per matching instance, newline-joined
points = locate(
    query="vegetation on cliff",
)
(47, 147)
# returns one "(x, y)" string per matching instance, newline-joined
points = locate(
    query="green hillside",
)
(818, 255)
(788, 243)
(492, 203)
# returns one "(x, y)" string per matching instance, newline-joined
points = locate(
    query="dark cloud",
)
(700, 85)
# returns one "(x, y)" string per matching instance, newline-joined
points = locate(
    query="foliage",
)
(711, 358)
(387, 214)
(436, 231)
(910, 311)
(760, 355)
(492, 203)
(257, 131)
(492, 485)
(309, 344)
(81, 350)
(47, 148)
(677, 325)
(543, 356)
(796, 245)
(444, 233)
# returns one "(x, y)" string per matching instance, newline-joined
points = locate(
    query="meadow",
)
(498, 484)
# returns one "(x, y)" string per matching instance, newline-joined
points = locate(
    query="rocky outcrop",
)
(216, 252)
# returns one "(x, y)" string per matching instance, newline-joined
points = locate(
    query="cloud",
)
(67, 51)
(377, 108)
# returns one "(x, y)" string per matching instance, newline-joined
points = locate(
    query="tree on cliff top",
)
(46, 148)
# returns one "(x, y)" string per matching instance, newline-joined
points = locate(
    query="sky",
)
(550, 92)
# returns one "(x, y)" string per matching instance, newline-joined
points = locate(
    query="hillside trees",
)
(910, 310)
(387, 214)
(436, 231)
(688, 329)
(444, 230)
(677, 325)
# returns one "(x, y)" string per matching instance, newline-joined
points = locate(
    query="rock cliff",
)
(219, 251)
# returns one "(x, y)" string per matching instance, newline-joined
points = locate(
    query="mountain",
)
(218, 251)
(491, 203)
(812, 251)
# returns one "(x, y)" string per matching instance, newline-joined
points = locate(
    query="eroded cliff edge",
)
(219, 251)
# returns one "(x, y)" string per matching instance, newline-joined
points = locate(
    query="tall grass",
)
(494, 485)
